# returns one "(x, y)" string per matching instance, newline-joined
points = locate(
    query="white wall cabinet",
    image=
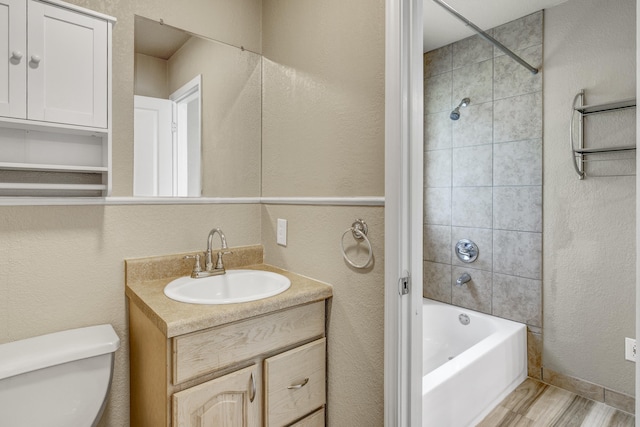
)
(55, 99)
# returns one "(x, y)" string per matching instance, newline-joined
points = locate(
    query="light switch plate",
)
(281, 232)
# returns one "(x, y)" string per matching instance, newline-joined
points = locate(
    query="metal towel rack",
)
(579, 109)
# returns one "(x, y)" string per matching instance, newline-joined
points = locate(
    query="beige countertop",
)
(176, 318)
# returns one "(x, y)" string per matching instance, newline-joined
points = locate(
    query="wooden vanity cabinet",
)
(267, 370)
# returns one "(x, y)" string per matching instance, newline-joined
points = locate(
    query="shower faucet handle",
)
(466, 250)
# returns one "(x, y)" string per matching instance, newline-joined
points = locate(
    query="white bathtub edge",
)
(450, 391)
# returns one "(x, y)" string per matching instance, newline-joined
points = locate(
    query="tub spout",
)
(463, 279)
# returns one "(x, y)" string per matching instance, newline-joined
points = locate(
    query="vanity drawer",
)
(206, 351)
(314, 420)
(295, 383)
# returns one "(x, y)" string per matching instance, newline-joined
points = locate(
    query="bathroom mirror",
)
(197, 124)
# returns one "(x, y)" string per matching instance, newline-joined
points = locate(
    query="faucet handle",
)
(219, 264)
(196, 266)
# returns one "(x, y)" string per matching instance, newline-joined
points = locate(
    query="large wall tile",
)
(437, 131)
(471, 50)
(483, 174)
(520, 34)
(472, 207)
(437, 61)
(437, 281)
(474, 81)
(511, 78)
(437, 93)
(517, 208)
(517, 253)
(473, 166)
(517, 163)
(437, 168)
(483, 238)
(474, 295)
(518, 299)
(518, 118)
(436, 243)
(475, 126)
(437, 206)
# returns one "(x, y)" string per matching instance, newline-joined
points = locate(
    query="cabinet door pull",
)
(252, 390)
(297, 386)
(16, 55)
(35, 59)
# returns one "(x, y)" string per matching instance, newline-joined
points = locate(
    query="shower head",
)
(455, 114)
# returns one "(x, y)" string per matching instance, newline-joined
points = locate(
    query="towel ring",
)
(359, 231)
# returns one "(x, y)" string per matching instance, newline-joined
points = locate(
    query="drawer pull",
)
(297, 386)
(252, 390)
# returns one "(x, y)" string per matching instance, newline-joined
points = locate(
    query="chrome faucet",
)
(223, 246)
(210, 269)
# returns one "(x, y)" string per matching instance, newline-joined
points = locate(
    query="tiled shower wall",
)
(483, 175)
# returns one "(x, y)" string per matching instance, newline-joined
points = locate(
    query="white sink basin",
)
(231, 287)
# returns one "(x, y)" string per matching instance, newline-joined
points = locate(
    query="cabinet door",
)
(67, 66)
(13, 59)
(229, 401)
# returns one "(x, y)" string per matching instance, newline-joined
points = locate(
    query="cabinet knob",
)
(16, 54)
(35, 59)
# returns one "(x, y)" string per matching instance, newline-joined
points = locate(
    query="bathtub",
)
(468, 369)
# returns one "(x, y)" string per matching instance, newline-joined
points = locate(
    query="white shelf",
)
(51, 187)
(51, 168)
(36, 125)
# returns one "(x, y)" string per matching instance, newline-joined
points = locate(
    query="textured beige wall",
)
(63, 267)
(151, 77)
(231, 113)
(323, 106)
(589, 226)
(323, 135)
(356, 315)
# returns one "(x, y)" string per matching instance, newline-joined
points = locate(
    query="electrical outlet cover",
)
(281, 232)
(630, 349)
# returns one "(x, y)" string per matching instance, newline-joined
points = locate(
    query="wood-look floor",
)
(536, 404)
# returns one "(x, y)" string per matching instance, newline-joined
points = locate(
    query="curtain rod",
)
(487, 37)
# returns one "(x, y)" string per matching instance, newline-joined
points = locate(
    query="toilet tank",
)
(57, 380)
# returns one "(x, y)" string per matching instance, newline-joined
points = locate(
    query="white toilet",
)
(57, 380)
